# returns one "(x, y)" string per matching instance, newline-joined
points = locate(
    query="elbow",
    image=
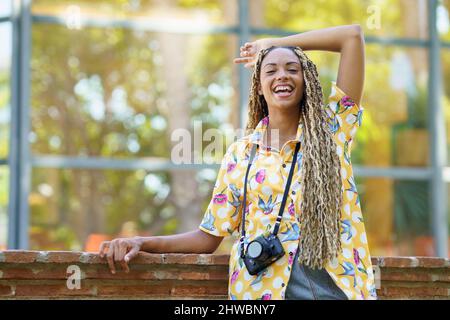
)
(354, 38)
(210, 251)
(207, 242)
(356, 32)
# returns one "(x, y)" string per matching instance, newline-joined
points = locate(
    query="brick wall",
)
(39, 274)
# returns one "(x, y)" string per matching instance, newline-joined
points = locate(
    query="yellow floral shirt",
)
(352, 271)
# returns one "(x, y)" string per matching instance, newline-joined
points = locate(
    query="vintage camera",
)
(261, 252)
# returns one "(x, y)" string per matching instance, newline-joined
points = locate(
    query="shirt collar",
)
(257, 136)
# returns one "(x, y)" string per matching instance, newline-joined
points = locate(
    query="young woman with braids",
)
(322, 230)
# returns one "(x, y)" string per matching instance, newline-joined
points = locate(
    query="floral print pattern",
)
(351, 271)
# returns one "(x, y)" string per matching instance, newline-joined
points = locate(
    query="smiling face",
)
(281, 79)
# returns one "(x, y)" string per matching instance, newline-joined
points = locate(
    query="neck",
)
(286, 123)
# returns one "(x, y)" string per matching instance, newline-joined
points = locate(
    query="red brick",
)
(398, 262)
(105, 274)
(183, 259)
(91, 258)
(430, 262)
(134, 290)
(63, 257)
(52, 290)
(409, 275)
(5, 290)
(20, 256)
(148, 258)
(221, 259)
(199, 290)
(444, 277)
(34, 272)
(411, 292)
(171, 258)
(160, 272)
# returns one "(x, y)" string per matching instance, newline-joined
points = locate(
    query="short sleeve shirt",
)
(352, 270)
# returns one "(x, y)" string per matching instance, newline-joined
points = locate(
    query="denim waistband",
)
(311, 284)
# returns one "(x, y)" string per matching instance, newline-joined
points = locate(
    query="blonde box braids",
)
(321, 183)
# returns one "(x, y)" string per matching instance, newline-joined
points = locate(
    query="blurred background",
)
(90, 92)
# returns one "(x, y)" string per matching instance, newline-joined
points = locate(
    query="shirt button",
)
(284, 165)
(293, 192)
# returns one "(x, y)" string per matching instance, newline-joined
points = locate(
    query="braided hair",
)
(321, 183)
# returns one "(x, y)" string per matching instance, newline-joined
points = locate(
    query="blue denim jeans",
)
(309, 284)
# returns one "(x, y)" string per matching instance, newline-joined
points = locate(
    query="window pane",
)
(5, 90)
(170, 13)
(397, 216)
(395, 105)
(115, 92)
(391, 18)
(77, 209)
(4, 194)
(448, 217)
(5, 8)
(445, 59)
(396, 109)
(443, 23)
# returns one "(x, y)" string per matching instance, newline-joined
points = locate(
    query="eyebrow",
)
(274, 64)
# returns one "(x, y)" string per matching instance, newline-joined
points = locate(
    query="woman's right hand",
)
(121, 251)
(250, 50)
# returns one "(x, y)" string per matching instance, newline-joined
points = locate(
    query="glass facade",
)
(5, 114)
(111, 81)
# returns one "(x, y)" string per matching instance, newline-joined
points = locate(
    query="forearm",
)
(329, 39)
(190, 242)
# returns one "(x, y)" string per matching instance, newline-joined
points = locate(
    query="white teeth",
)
(283, 88)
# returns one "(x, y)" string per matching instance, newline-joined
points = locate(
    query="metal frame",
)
(438, 173)
(4, 19)
(19, 156)
(438, 145)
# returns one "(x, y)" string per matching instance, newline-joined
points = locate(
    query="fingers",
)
(119, 251)
(248, 62)
(247, 55)
(247, 45)
(242, 60)
(248, 48)
(110, 258)
(103, 248)
(130, 255)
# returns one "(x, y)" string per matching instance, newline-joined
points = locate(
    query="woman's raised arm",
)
(348, 40)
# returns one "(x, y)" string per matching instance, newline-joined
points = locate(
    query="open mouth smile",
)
(283, 91)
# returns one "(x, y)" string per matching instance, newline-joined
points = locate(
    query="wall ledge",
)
(53, 274)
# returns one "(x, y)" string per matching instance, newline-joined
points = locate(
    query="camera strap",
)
(244, 201)
(283, 201)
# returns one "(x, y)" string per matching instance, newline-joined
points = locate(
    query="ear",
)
(259, 90)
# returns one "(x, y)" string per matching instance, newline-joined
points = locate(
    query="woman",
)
(324, 252)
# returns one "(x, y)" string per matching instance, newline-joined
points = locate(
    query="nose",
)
(281, 74)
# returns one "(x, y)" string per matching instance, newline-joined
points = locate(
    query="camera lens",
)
(254, 249)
